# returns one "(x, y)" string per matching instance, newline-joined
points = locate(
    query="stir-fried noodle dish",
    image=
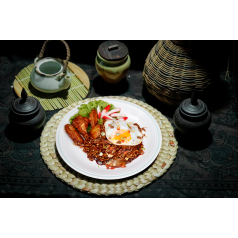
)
(105, 135)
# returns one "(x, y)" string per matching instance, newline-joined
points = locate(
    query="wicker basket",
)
(174, 69)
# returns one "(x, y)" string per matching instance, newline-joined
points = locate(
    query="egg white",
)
(111, 129)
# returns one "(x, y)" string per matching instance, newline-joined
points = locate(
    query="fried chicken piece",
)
(95, 131)
(86, 120)
(81, 124)
(73, 134)
(93, 118)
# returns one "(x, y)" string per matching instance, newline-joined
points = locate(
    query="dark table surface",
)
(204, 168)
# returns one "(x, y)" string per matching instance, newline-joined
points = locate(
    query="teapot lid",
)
(113, 50)
(25, 105)
(193, 109)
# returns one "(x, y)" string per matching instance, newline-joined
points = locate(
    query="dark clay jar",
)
(27, 113)
(192, 116)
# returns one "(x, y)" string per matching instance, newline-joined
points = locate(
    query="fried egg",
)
(122, 132)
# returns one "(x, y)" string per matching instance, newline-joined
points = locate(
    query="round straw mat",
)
(62, 171)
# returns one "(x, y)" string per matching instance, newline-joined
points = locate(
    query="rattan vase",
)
(174, 69)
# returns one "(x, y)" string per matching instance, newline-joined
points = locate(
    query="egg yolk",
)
(121, 135)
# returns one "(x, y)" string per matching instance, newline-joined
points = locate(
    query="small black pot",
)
(27, 113)
(192, 116)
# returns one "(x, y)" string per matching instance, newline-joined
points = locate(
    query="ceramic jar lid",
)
(113, 50)
(193, 109)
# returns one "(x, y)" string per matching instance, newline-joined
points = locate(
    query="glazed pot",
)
(192, 116)
(27, 113)
(50, 75)
(112, 61)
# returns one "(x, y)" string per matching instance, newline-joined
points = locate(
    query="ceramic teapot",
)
(51, 75)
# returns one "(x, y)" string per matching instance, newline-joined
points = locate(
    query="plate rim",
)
(111, 177)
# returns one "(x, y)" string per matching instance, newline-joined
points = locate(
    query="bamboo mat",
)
(76, 92)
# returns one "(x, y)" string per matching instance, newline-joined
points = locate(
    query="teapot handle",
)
(65, 61)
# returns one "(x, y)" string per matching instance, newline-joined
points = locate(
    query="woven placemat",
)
(51, 101)
(61, 170)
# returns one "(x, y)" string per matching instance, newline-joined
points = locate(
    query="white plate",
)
(77, 159)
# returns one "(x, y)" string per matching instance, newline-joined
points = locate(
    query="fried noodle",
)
(112, 156)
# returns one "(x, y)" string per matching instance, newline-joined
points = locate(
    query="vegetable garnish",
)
(123, 118)
(89, 128)
(106, 109)
(118, 115)
(100, 121)
(99, 112)
(85, 109)
(107, 117)
(104, 113)
(118, 109)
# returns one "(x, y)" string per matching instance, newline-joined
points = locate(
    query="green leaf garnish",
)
(100, 121)
(85, 109)
(89, 128)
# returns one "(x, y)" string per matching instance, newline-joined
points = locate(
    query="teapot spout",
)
(67, 80)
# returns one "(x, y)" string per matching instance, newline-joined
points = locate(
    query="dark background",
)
(84, 51)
